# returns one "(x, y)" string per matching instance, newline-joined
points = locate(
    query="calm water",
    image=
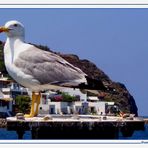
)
(11, 135)
(137, 135)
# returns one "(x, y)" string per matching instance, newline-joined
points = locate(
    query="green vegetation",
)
(67, 97)
(45, 48)
(2, 65)
(23, 103)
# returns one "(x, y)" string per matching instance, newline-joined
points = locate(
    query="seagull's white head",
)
(13, 29)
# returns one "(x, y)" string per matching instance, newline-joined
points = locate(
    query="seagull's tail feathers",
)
(91, 84)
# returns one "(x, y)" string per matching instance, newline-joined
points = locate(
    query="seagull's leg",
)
(37, 104)
(32, 106)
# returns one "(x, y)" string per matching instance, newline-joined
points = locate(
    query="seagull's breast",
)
(11, 54)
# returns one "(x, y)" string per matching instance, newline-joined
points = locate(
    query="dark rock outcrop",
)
(116, 91)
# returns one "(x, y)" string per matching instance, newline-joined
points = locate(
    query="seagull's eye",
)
(15, 25)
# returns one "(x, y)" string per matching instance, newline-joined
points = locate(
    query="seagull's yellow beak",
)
(3, 29)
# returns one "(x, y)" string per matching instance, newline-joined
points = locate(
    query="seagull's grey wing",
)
(47, 67)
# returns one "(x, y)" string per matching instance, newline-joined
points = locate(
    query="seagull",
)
(36, 69)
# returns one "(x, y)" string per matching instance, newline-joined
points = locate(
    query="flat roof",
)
(93, 98)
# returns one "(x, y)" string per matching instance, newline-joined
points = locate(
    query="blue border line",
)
(73, 4)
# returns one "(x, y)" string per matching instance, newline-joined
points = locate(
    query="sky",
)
(115, 39)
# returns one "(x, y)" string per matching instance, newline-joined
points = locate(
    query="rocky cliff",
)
(115, 91)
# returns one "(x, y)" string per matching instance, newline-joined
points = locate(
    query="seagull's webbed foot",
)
(29, 115)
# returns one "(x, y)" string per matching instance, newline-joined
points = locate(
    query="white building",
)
(17, 89)
(5, 102)
(91, 105)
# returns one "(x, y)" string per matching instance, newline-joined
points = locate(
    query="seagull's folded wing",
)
(48, 68)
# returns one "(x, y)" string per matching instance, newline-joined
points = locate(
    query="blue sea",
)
(12, 135)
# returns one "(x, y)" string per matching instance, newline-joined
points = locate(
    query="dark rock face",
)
(116, 91)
